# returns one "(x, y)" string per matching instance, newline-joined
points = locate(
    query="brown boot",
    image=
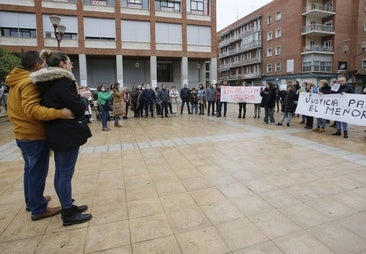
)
(117, 125)
(49, 212)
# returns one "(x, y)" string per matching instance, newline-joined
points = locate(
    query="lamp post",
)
(59, 29)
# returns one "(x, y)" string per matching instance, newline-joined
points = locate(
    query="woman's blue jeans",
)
(342, 126)
(65, 167)
(104, 115)
(320, 122)
(268, 113)
(36, 155)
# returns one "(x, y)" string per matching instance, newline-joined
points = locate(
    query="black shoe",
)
(288, 125)
(71, 216)
(279, 124)
(239, 117)
(337, 133)
(345, 134)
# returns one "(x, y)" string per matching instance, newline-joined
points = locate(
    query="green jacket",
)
(104, 96)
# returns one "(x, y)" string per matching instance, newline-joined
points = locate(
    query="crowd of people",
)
(145, 102)
(50, 111)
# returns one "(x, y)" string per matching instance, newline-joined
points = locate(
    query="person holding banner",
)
(343, 88)
(324, 88)
(222, 103)
(268, 102)
(242, 105)
(288, 105)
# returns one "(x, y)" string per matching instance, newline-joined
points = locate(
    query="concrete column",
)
(202, 73)
(184, 70)
(119, 63)
(83, 70)
(213, 70)
(153, 73)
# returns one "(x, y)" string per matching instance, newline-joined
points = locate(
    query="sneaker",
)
(106, 129)
(316, 129)
(272, 123)
(321, 130)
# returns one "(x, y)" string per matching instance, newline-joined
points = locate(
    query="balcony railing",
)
(318, 28)
(318, 48)
(237, 37)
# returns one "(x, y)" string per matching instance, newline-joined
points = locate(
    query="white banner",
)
(349, 108)
(236, 94)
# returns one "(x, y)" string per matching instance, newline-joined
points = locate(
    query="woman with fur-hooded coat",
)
(59, 90)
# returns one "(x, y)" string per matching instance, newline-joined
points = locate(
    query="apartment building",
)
(296, 40)
(125, 41)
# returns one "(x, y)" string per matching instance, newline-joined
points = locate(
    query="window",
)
(269, 52)
(134, 3)
(164, 72)
(129, 28)
(168, 33)
(13, 24)
(18, 32)
(278, 32)
(198, 35)
(67, 1)
(277, 67)
(363, 65)
(269, 36)
(278, 16)
(269, 67)
(167, 5)
(200, 7)
(99, 29)
(278, 50)
(269, 20)
(99, 2)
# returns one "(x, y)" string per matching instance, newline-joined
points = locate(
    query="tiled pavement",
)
(193, 184)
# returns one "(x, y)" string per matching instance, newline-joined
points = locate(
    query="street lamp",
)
(59, 29)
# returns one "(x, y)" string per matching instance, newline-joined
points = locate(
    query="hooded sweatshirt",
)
(24, 109)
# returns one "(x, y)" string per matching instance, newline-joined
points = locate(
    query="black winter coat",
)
(184, 93)
(268, 98)
(58, 90)
(288, 102)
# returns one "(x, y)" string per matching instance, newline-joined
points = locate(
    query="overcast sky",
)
(229, 11)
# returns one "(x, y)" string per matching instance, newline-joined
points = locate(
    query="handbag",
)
(64, 134)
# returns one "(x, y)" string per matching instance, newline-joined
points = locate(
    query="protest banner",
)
(349, 108)
(237, 94)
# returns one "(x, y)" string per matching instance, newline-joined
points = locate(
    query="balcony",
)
(236, 37)
(317, 49)
(244, 76)
(224, 67)
(246, 47)
(225, 54)
(318, 30)
(319, 11)
(245, 62)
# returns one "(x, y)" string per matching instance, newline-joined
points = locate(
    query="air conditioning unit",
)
(48, 34)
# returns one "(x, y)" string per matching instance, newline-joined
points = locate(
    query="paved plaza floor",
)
(199, 184)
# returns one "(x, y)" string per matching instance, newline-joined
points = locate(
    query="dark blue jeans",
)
(182, 106)
(65, 167)
(222, 103)
(104, 114)
(36, 155)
